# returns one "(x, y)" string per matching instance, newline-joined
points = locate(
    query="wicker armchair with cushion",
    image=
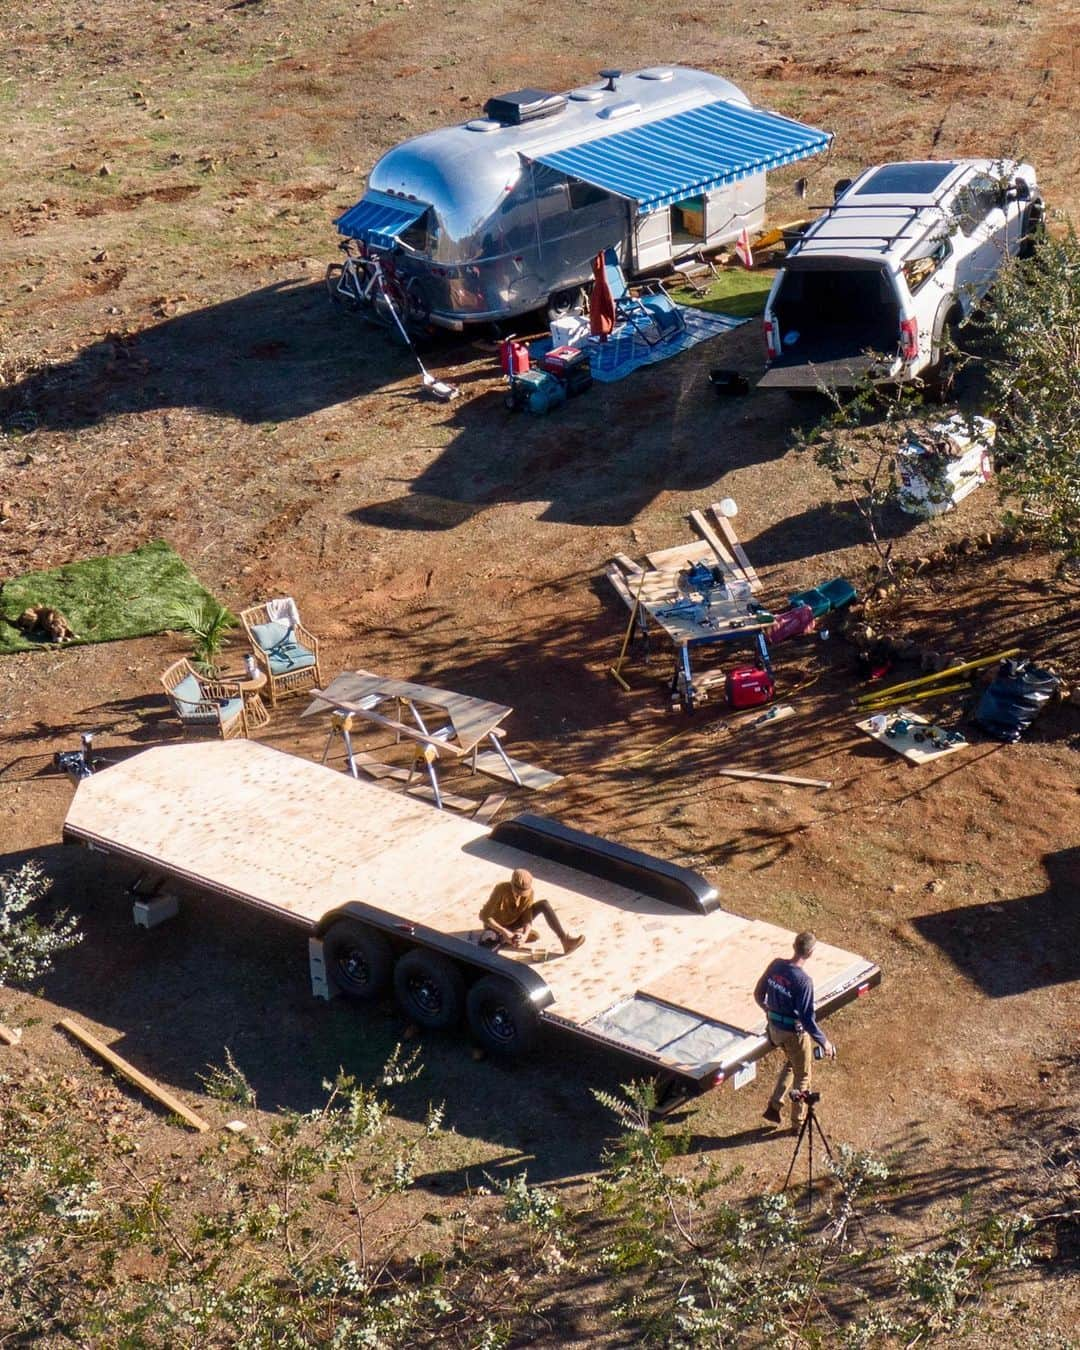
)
(207, 705)
(284, 649)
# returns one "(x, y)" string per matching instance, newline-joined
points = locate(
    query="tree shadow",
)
(277, 353)
(1014, 946)
(599, 459)
(825, 528)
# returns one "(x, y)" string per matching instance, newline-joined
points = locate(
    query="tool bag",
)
(1018, 693)
(748, 687)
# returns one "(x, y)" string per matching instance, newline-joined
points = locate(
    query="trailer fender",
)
(547, 838)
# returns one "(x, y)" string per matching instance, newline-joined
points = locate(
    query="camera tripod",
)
(806, 1134)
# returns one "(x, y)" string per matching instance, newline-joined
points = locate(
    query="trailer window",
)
(552, 201)
(586, 194)
(417, 236)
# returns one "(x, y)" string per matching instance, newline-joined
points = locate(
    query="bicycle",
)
(369, 281)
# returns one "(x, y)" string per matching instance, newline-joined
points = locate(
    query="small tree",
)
(208, 625)
(1034, 315)
(860, 456)
(28, 946)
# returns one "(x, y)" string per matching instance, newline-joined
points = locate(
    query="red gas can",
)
(748, 687)
(514, 356)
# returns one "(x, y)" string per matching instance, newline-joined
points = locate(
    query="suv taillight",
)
(770, 344)
(909, 339)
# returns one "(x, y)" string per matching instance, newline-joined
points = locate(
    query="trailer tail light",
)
(769, 334)
(862, 989)
(718, 1077)
(909, 339)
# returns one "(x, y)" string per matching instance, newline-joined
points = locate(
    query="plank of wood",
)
(489, 807)
(915, 751)
(531, 777)
(712, 539)
(727, 530)
(10, 1035)
(628, 565)
(376, 768)
(677, 557)
(132, 1074)
(450, 799)
(622, 590)
(774, 777)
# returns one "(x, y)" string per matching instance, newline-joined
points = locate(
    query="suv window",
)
(974, 202)
(919, 179)
(918, 271)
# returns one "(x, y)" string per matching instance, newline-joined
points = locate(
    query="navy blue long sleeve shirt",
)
(786, 993)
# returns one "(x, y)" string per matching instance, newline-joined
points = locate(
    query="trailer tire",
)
(567, 301)
(430, 989)
(359, 959)
(501, 1018)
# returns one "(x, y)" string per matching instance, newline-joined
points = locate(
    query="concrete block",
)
(155, 909)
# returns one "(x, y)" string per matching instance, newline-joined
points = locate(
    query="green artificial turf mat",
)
(736, 291)
(123, 596)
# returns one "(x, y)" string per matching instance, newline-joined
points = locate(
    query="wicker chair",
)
(287, 653)
(205, 705)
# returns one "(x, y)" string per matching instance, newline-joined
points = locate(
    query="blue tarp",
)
(379, 219)
(687, 153)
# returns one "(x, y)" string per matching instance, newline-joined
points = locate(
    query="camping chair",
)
(283, 648)
(654, 316)
(215, 705)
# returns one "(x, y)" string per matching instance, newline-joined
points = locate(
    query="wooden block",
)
(377, 769)
(129, 1071)
(727, 531)
(489, 807)
(774, 777)
(10, 1035)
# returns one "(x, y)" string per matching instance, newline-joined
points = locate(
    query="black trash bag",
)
(1018, 693)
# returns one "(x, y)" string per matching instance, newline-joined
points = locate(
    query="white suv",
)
(874, 286)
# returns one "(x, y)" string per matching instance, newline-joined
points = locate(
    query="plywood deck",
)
(299, 839)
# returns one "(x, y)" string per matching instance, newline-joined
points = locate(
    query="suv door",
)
(979, 211)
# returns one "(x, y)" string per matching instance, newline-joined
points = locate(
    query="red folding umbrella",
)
(601, 304)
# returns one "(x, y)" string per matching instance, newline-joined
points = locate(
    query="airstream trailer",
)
(504, 213)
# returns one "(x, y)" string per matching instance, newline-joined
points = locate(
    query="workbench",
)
(444, 724)
(692, 615)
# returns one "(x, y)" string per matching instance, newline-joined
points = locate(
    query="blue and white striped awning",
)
(687, 153)
(378, 219)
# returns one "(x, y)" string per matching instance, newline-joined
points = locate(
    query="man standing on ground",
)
(786, 994)
(512, 907)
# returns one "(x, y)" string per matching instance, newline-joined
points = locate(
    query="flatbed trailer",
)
(388, 892)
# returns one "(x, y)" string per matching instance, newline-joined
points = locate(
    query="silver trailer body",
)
(498, 218)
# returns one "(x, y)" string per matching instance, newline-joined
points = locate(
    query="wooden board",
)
(726, 530)
(907, 745)
(129, 1071)
(730, 772)
(679, 556)
(720, 982)
(489, 808)
(710, 536)
(489, 762)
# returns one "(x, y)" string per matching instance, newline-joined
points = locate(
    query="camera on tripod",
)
(808, 1098)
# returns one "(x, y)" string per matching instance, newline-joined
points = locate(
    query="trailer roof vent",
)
(524, 105)
(483, 124)
(586, 95)
(656, 73)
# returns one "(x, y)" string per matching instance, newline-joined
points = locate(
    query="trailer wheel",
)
(430, 989)
(501, 1018)
(562, 303)
(359, 959)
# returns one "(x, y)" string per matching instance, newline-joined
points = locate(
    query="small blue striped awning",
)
(378, 219)
(687, 153)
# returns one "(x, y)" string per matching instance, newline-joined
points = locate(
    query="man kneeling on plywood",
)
(510, 910)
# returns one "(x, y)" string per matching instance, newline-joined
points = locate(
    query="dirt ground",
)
(172, 369)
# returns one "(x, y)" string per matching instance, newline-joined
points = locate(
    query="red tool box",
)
(570, 365)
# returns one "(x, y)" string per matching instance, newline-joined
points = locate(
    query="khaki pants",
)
(798, 1051)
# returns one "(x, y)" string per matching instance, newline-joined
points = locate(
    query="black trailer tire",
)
(359, 959)
(430, 989)
(501, 1018)
(561, 303)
